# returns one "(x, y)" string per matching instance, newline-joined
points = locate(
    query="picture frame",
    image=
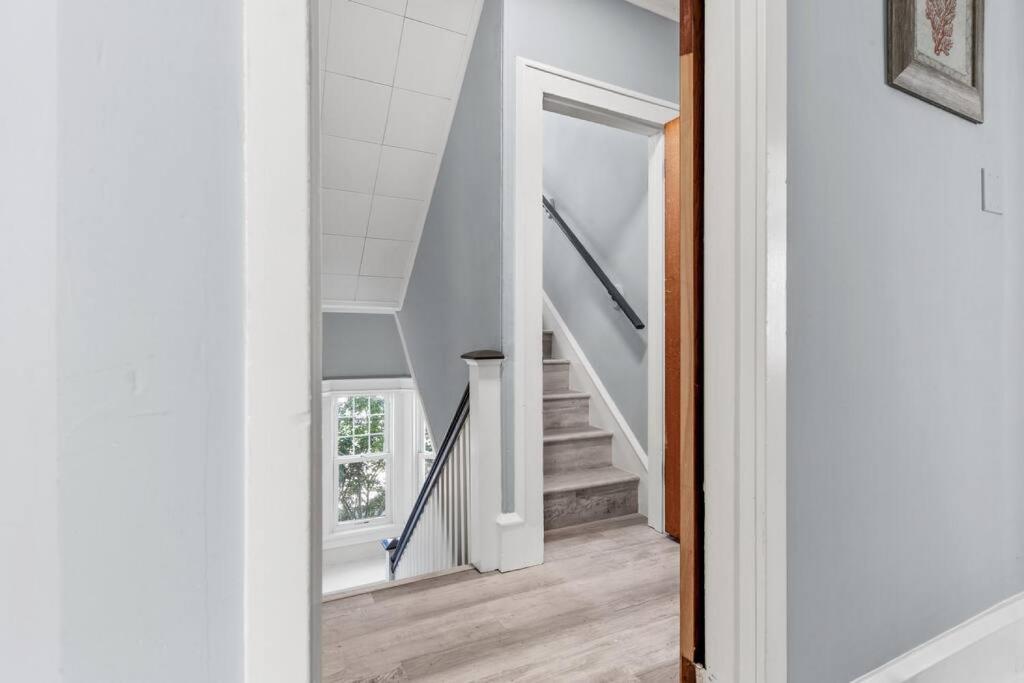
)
(936, 52)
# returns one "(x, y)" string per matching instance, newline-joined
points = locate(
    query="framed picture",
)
(936, 52)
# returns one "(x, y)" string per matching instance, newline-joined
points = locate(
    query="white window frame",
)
(334, 460)
(422, 456)
(402, 480)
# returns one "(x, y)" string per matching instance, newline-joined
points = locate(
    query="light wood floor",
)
(604, 606)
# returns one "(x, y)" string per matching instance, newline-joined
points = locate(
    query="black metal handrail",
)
(612, 290)
(396, 546)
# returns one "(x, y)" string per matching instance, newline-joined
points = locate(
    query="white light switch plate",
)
(991, 191)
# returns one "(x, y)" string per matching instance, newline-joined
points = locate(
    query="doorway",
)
(542, 89)
(745, 422)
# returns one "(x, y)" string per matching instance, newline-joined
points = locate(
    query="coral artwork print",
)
(941, 14)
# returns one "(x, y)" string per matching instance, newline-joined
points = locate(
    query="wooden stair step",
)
(560, 435)
(574, 448)
(556, 374)
(588, 495)
(566, 408)
(578, 480)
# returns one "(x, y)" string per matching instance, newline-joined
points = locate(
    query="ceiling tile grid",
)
(390, 74)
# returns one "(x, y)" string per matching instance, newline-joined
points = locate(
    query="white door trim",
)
(280, 638)
(541, 88)
(745, 340)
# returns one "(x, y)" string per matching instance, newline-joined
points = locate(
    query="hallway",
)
(603, 607)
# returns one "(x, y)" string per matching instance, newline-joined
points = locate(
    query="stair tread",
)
(574, 480)
(564, 394)
(556, 361)
(560, 434)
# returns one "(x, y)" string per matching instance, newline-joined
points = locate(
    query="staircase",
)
(580, 483)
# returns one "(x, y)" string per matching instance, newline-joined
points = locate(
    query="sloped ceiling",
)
(666, 8)
(390, 71)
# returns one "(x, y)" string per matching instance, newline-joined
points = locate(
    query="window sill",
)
(361, 534)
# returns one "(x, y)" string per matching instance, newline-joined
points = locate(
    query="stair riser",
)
(556, 377)
(567, 412)
(589, 505)
(578, 454)
(547, 345)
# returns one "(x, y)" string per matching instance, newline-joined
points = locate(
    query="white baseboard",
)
(627, 453)
(987, 648)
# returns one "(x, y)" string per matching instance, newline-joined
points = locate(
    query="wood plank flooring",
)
(604, 606)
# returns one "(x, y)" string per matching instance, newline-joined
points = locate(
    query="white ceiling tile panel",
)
(417, 121)
(385, 258)
(405, 173)
(389, 73)
(354, 108)
(363, 42)
(338, 287)
(430, 60)
(344, 213)
(396, 219)
(379, 289)
(455, 15)
(348, 164)
(393, 6)
(342, 254)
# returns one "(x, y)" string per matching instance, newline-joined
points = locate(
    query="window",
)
(362, 457)
(374, 443)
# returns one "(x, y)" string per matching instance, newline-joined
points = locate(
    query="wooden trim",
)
(691, 184)
(673, 332)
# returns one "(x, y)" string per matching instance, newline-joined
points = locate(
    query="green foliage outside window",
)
(362, 482)
(362, 490)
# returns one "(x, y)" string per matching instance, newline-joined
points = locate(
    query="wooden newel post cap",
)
(484, 354)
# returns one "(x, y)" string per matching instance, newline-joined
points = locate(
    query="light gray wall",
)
(362, 345)
(453, 303)
(610, 40)
(150, 340)
(597, 177)
(29, 601)
(906, 308)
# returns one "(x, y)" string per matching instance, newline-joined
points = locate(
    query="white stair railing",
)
(440, 540)
(453, 521)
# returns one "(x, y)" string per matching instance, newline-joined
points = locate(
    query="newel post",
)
(484, 457)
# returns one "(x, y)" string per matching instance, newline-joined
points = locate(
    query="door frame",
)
(745, 134)
(282, 528)
(541, 88)
(745, 334)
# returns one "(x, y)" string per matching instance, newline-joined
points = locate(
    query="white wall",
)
(29, 604)
(597, 177)
(150, 340)
(362, 345)
(121, 281)
(453, 301)
(906, 324)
